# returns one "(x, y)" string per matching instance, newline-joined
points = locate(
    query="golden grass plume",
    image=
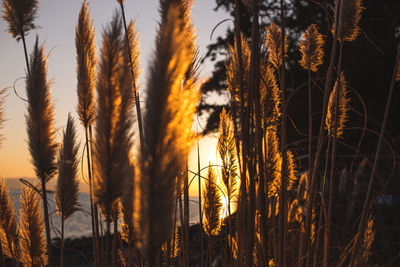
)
(114, 120)
(20, 15)
(350, 12)
(86, 63)
(212, 204)
(270, 97)
(40, 116)
(127, 199)
(226, 147)
(273, 41)
(233, 70)
(343, 108)
(33, 246)
(167, 124)
(311, 48)
(8, 225)
(66, 197)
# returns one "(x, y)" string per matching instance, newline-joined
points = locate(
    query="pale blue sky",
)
(57, 19)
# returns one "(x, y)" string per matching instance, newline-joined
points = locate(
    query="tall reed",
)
(66, 197)
(86, 62)
(167, 124)
(41, 135)
(33, 246)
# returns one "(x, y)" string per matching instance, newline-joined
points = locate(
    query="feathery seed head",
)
(33, 246)
(273, 41)
(8, 225)
(349, 16)
(233, 70)
(270, 96)
(171, 105)
(66, 197)
(40, 116)
(20, 15)
(212, 204)
(114, 120)
(86, 62)
(227, 150)
(311, 48)
(343, 108)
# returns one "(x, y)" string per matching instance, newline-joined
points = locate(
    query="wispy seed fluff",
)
(8, 225)
(342, 108)
(273, 41)
(311, 48)
(171, 104)
(86, 62)
(20, 15)
(66, 196)
(349, 17)
(33, 246)
(113, 122)
(212, 204)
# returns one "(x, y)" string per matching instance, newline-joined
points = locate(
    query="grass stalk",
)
(363, 216)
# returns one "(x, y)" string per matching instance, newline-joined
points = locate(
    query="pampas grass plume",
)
(273, 41)
(171, 104)
(86, 62)
(233, 70)
(33, 246)
(40, 117)
(212, 204)
(8, 225)
(270, 97)
(20, 15)
(66, 197)
(311, 48)
(349, 17)
(343, 108)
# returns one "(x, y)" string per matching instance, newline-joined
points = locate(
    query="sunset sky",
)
(56, 20)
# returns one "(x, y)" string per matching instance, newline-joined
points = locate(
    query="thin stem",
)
(282, 195)
(356, 246)
(25, 52)
(200, 215)
(186, 216)
(62, 241)
(333, 158)
(92, 213)
(47, 225)
(136, 93)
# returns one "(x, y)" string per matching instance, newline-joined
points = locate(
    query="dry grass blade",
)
(40, 117)
(311, 48)
(66, 196)
(349, 17)
(273, 41)
(212, 204)
(8, 225)
(33, 247)
(398, 64)
(20, 15)
(343, 108)
(167, 124)
(86, 61)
